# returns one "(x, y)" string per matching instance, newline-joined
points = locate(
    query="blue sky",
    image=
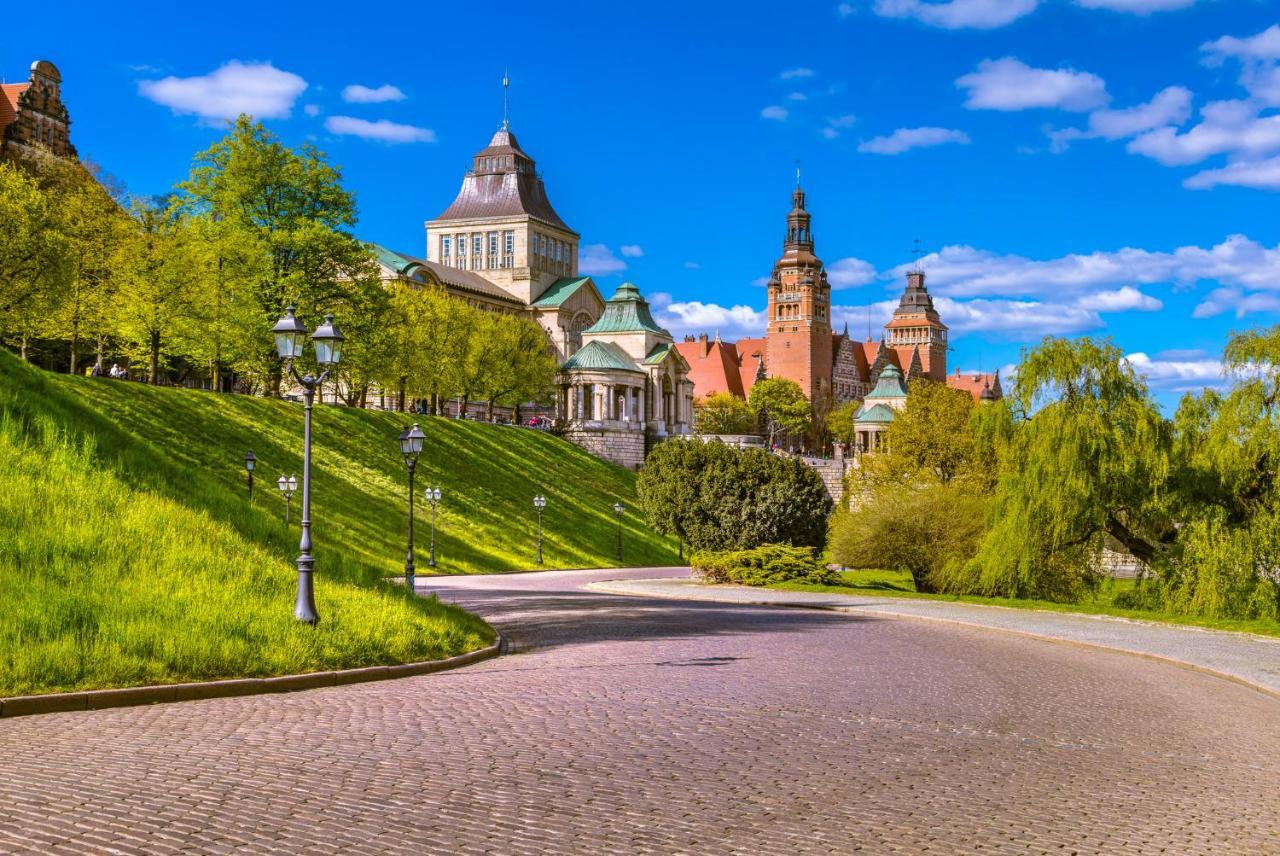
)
(1103, 167)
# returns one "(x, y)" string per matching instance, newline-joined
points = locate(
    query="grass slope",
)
(130, 554)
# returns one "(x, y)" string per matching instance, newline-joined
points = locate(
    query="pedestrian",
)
(96, 371)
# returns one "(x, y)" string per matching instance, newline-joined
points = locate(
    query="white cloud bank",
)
(599, 260)
(382, 130)
(775, 112)
(1179, 371)
(357, 94)
(1137, 7)
(958, 14)
(1009, 84)
(905, 139)
(258, 89)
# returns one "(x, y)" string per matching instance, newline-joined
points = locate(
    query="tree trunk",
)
(153, 369)
(75, 357)
(1141, 549)
(275, 375)
(516, 415)
(22, 349)
(489, 411)
(403, 380)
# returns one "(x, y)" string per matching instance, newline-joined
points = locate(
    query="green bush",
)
(762, 566)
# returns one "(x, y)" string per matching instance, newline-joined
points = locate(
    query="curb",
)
(165, 693)
(1265, 689)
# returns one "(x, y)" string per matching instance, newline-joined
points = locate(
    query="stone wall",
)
(625, 448)
(832, 472)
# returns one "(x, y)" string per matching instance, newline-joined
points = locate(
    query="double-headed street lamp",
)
(250, 461)
(291, 338)
(619, 509)
(287, 487)
(433, 497)
(539, 503)
(410, 446)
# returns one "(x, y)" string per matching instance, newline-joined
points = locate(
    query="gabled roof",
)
(560, 291)
(9, 93)
(600, 356)
(667, 350)
(410, 267)
(713, 366)
(877, 413)
(976, 384)
(626, 312)
(890, 384)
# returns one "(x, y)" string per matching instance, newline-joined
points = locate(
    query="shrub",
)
(762, 566)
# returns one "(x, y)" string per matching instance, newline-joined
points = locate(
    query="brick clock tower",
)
(916, 326)
(799, 332)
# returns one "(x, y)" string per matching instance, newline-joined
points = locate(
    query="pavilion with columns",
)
(627, 386)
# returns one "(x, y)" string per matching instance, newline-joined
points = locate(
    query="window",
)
(477, 244)
(493, 250)
(445, 244)
(542, 245)
(462, 245)
(508, 248)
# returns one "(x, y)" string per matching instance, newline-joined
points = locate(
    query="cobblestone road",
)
(624, 725)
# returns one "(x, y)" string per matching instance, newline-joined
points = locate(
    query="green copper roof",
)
(561, 290)
(396, 261)
(658, 354)
(600, 356)
(626, 312)
(877, 413)
(890, 384)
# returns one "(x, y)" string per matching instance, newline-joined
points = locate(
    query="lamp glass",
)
(282, 483)
(411, 441)
(327, 340)
(290, 335)
(250, 460)
(293, 483)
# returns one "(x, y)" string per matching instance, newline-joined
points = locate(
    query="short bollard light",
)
(250, 461)
(539, 503)
(287, 487)
(411, 440)
(291, 337)
(619, 509)
(433, 498)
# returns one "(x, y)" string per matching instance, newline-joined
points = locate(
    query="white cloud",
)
(797, 96)
(312, 110)
(1124, 299)
(258, 89)
(1176, 371)
(1260, 175)
(1136, 7)
(905, 139)
(1237, 301)
(381, 130)
(835, 124)
(844, 10)
(1225, 127)
(694, 316)
(631, 251)
(692, 266)
(1170, 106)
(958, 14)
(1263, 46)
(850, 273)
(774, 111)
(1009, 84)
(797, 73)
(357, 94)
(1023, 320)
(598, 260)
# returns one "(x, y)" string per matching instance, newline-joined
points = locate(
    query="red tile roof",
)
(713, 367)
(748, 362)
(973, 383)
(9, 93)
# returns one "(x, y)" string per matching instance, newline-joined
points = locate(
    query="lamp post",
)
(287, 487)
(618, 509)
(291, 337)
(410, 446)
(250, 461)
(539, 503)
(433, 497)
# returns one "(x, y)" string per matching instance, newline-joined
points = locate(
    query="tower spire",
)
(506, 88)
(797, 173)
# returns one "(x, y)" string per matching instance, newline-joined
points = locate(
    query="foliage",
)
(715, 497)
(762, 566)
(925, 530)
(723, 413)
(130, 552)
(842, 423)
(33, 253)
(782, 407)
(931, 438)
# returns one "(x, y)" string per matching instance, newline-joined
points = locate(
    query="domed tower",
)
(799, 323)
(916, 328)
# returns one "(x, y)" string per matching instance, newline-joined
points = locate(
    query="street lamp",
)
(287, 487)
(433, 497)
(618, 509)
(539, 503)
(291, 337)
(410, 446)
(250, 461)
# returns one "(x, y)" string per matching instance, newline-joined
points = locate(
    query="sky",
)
(1069, 167)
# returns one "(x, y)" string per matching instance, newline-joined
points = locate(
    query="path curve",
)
(622, 724)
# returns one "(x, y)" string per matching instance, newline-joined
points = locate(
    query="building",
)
(32, 114)
(800, 344)
(627, 386)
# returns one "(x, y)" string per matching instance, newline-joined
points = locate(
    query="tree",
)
(32, 253)
(931, 440)
(723, 413)
(524, 365)
(842, 423)
(716, 497)
(782, 407)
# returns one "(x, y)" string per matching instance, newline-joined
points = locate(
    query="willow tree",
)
(1090, 458)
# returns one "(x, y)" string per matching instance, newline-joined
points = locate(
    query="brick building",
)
(32, 114)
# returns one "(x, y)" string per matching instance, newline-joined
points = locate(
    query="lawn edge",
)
(604, 587)
(166, 693)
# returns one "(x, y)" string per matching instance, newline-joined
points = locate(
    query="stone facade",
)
(32, 114)
(622, 446)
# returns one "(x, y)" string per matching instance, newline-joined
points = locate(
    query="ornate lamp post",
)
(410, 446)
(433, 497)
(618, 509)
(287, 487)
(250, 461)
(291, 337)
(539, 503)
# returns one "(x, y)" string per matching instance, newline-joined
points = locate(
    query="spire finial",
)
(797, 173)
(915, 252)
(506, 87)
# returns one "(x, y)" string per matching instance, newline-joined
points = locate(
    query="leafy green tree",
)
(783, 408)
(524, 366)
(723, 413)
(33, 253)
(842, 423)
(932, 440)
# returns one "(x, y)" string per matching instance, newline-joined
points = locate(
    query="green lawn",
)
(900, 584)
(130, 554)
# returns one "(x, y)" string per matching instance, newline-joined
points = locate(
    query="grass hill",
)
(130, 553)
